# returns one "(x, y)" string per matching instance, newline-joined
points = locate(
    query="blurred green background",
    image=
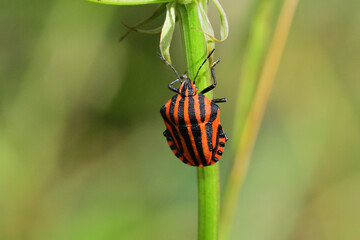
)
(82, 154)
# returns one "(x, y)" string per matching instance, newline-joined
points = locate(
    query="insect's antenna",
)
(203, 63)
(169, 65)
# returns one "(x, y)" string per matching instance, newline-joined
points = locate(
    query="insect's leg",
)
(220, 145)
(184, 76)
(211, 87)
(165, 133)
(219, 100)
(223, 135)
(172, 88)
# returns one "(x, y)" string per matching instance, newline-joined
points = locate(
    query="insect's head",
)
(187, 88)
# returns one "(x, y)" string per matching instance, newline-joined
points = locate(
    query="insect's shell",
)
(193, 129)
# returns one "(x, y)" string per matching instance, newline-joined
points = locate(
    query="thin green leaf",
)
(185, 1)
(224, 25)
(207, 29)
(167, 31)
(129, 2)
(158, 11)
(206, 24)
(147, 31)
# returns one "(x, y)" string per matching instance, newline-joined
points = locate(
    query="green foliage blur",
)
(82, 154)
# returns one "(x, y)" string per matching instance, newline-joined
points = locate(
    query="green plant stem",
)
(208, 190)
(208, 177)
(257, 44)
(256, 113)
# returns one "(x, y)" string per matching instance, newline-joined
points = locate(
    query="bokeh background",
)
(82, 154)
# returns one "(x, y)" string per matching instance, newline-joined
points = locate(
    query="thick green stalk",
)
(208, 190)
(208, 177)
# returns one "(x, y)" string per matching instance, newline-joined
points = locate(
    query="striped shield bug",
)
(193, 129)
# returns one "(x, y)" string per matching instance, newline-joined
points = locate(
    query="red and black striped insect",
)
(192, 121)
